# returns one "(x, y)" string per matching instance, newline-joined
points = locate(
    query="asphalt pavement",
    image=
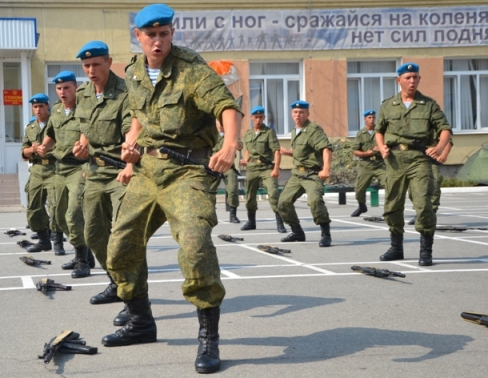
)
(298, 314)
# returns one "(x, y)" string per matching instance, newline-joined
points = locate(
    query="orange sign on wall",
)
(12, 97)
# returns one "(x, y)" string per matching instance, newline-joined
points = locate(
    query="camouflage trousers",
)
(409, 170)
(366, 172)
(101, 201)
(163, 190)
(39, 188)
(231, 187)
(294, 189)
(254, 176)
(69, 184)
(436, 196)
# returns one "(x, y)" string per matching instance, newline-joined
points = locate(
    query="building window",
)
(368, 84)
(54, 69)
(466, 93)
(275, 86)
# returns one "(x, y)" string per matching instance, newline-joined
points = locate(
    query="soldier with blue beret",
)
(63, 130)
(194, 96)
(40, 186)
(371, 164)
(64, 77)
(312, 153)
(404, 132)
(263, 159)
(93, 49)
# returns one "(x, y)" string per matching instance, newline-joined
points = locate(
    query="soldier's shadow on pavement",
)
(340, 342)
(286, 303)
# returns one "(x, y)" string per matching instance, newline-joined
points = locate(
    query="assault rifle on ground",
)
(24, 243)
(229, 238)
(113, 162)
(377, 272)
(47, 284)
(29, 260)
(272, 249)
(459, 228)
(13, 232)
(66, 342)
(374, 219)
(186, 160)
(473, 317)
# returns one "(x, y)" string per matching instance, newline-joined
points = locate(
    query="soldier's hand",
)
(125, 175)
(222, 160)
(275, 173)
(34, 147)
(385, 151)
(130, 154)
(41, 150)
(80, 151)
(433, 152)
(286, 152)
(324, 174)
(243, 162)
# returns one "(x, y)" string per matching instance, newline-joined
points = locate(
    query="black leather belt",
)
(372, 158)
(70, 161)
(44, 161)
(403, 147)
(202, 153)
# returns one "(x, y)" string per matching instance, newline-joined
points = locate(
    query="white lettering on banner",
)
(320, 29)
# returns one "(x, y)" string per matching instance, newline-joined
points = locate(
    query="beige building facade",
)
(341, 60)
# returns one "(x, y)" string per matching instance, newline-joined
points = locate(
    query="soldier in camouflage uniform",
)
(404, 128)
(231, 184)
(261, 144)
(40, 186)
(63, 130)
(175, 98)
(371, 163)
(104, 115)
(312, 153)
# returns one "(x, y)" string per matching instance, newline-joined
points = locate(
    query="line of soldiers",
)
(171, 98)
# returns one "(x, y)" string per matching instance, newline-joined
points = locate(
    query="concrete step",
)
(9, 189)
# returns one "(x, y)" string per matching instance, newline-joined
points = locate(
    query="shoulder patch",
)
(82, 87)
(185, 53)
(132, 61)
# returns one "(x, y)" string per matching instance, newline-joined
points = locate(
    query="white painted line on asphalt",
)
(27, 282)
(229, 274)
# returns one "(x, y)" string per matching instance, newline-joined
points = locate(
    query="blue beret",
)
(257, 110)
(300, 104)
(154, 15)
(64, 76)
(408, 67)
(93, 49)
(39, 98)
(32, 119)
(368, 113)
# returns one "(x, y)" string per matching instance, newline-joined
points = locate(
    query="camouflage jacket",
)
(104, 121)
(180, 110)
(402, 125)
(308, 146)
(365, 141)
(264, 144)
(34, 133)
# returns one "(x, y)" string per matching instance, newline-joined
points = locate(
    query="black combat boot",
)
(396, 250)
(326, 239)
(232, 215)
(44, 243)
(81, 269)
(109, 295)
(297, 234)
(122, 317)
(279, 224)
(141, 327)
(361, 209)
(412, 221)
(57, 238)
(426, 243)
(71, 264)
(208, 356)
(251, 222)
